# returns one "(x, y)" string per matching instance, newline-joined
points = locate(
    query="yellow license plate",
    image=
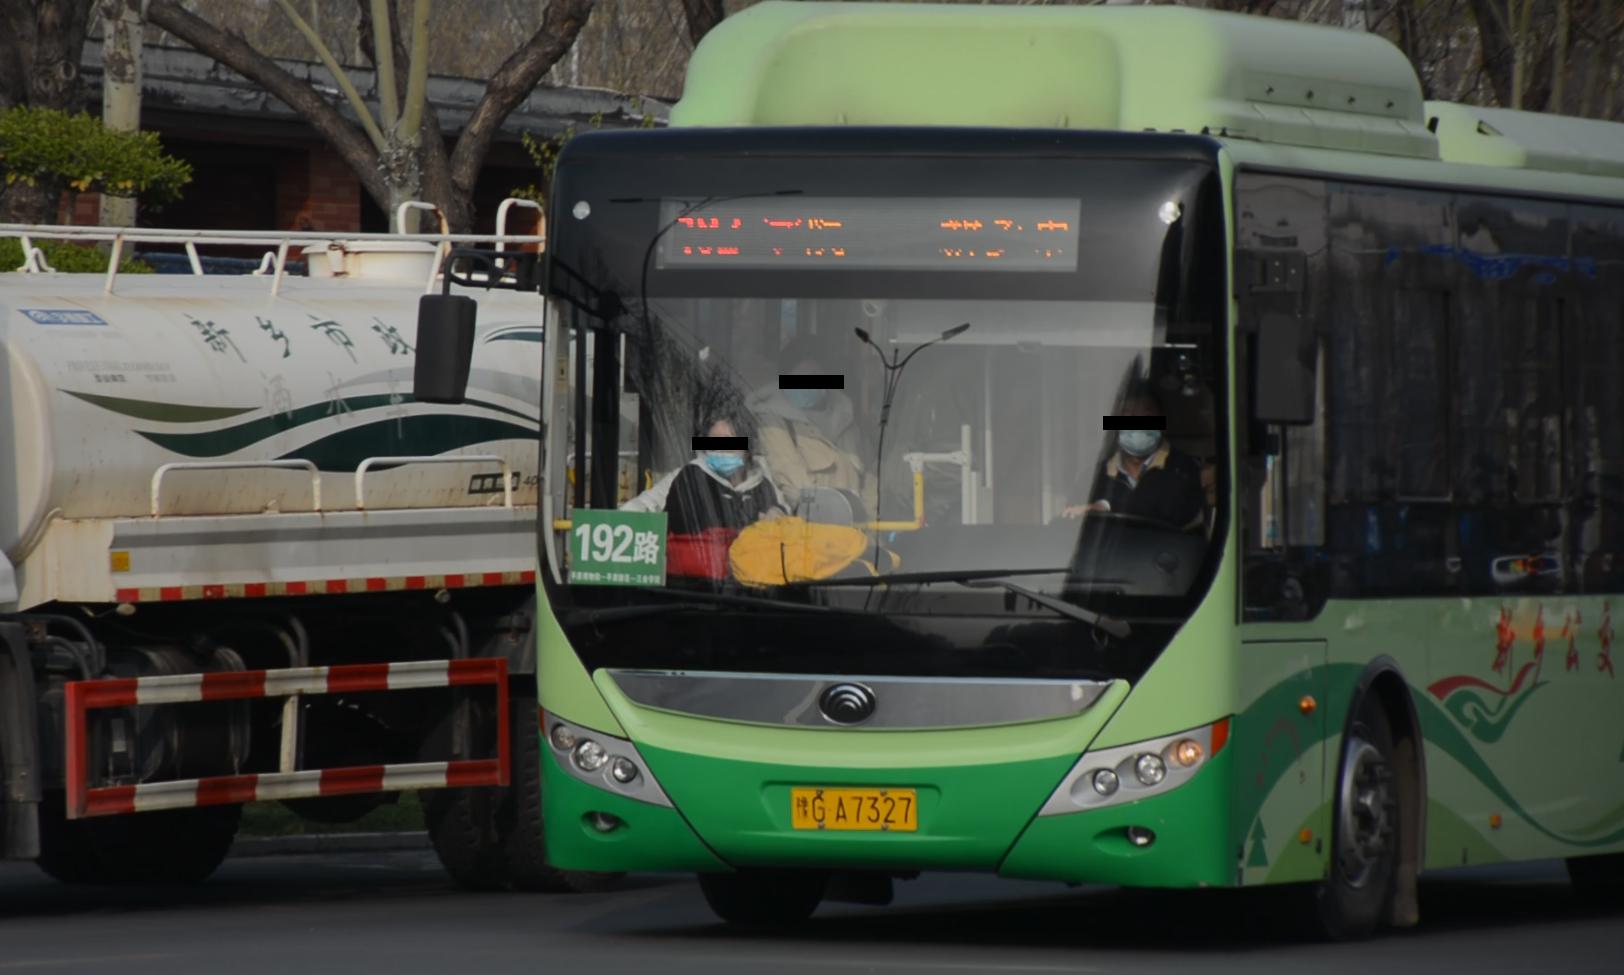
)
(887, 810)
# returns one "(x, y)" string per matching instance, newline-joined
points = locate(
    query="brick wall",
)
(318, 193)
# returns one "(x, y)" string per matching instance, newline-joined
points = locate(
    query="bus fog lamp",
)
(589, 756)
(1105, 782)
(603, 822)
(623, 770)
(1150, 769)
(1140, 836)
(562, 737)
(1187, 752)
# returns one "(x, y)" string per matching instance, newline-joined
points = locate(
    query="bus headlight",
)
(1143, 769)
(589, 755)
(603, 762)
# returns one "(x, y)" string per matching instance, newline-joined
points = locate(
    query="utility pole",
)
(122, 29)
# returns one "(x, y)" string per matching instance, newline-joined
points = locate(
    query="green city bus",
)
(946, 250)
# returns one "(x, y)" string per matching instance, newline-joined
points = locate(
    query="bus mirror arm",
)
(1283, 381)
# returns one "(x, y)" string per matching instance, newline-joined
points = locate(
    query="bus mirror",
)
(445, 348)
(1283, 383)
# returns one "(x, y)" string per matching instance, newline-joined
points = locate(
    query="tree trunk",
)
(1355, 15)
(122, 29)
(25, 203)
(702, 15)
(1559, 55)
(1498, 46)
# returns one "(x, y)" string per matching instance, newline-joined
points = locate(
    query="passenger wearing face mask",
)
(1145, 477)
(726, 489)
(810, 436)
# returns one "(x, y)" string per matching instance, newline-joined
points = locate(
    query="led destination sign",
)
(905, 234)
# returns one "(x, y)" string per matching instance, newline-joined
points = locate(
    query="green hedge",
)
(64, 256)
(43, 143)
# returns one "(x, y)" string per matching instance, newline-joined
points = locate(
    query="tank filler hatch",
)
(1123, 68)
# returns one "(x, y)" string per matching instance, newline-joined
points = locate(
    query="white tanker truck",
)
(238, 561)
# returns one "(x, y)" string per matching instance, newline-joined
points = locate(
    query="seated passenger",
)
(809, 436)
(1145, 477)
(717, 489)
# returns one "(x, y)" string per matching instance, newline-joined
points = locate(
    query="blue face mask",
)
(805, 399)
(1139, 443)
(726, 463)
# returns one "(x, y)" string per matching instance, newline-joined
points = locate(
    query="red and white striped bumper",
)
(323, 587)
(84, 696)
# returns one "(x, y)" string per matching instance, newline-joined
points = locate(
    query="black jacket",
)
(1169, 488)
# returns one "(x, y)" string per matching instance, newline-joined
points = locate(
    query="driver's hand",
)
(1078, 510)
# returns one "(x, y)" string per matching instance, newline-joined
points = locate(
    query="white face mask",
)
(1139, 443)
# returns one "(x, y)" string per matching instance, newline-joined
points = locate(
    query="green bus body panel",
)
(1164, 69)
(563, 686)
(650, 837)
(977, 788)
(968, 814)
(1190, 824)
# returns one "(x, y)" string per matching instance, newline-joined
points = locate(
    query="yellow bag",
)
(770, 553)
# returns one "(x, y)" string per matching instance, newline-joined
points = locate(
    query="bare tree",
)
(398, 152)
(121, 88)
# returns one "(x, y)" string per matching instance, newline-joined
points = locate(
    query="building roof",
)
(181, 86)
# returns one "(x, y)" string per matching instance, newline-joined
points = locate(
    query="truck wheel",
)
(462, 822)
(525, 844)
(178, 846)
(764, 898)
(1354, 899)
(1599, 879)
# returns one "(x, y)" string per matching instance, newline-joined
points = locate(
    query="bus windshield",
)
(900, 414)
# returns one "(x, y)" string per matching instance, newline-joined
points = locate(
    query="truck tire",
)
(491, 839)
(177, 846)
(525, 843)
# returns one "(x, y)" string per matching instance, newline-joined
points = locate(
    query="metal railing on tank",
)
(275, 263)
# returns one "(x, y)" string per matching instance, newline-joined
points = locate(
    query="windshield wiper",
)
(1110, 624)
(984, 578)
(687, 600)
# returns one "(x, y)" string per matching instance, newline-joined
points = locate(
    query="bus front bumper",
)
(731, 814)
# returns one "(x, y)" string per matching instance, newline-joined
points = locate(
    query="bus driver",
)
(1145, 477)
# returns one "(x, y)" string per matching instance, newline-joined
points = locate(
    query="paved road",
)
(394, 913)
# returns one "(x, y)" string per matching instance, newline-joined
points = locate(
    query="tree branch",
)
(702, 15)
(340, 76)
(513, 82)
(358, 151)
(417, 81)
(383, 46)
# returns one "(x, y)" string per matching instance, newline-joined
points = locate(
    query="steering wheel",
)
(1139, 521)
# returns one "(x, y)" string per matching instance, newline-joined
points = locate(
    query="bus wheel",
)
(1353, 901)
(1599, 879)
(764, 898)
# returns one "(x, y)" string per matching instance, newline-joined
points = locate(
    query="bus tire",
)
(764, 898)
(177, 846)
(525, 845)
(1356, 898)
(1598, 879)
